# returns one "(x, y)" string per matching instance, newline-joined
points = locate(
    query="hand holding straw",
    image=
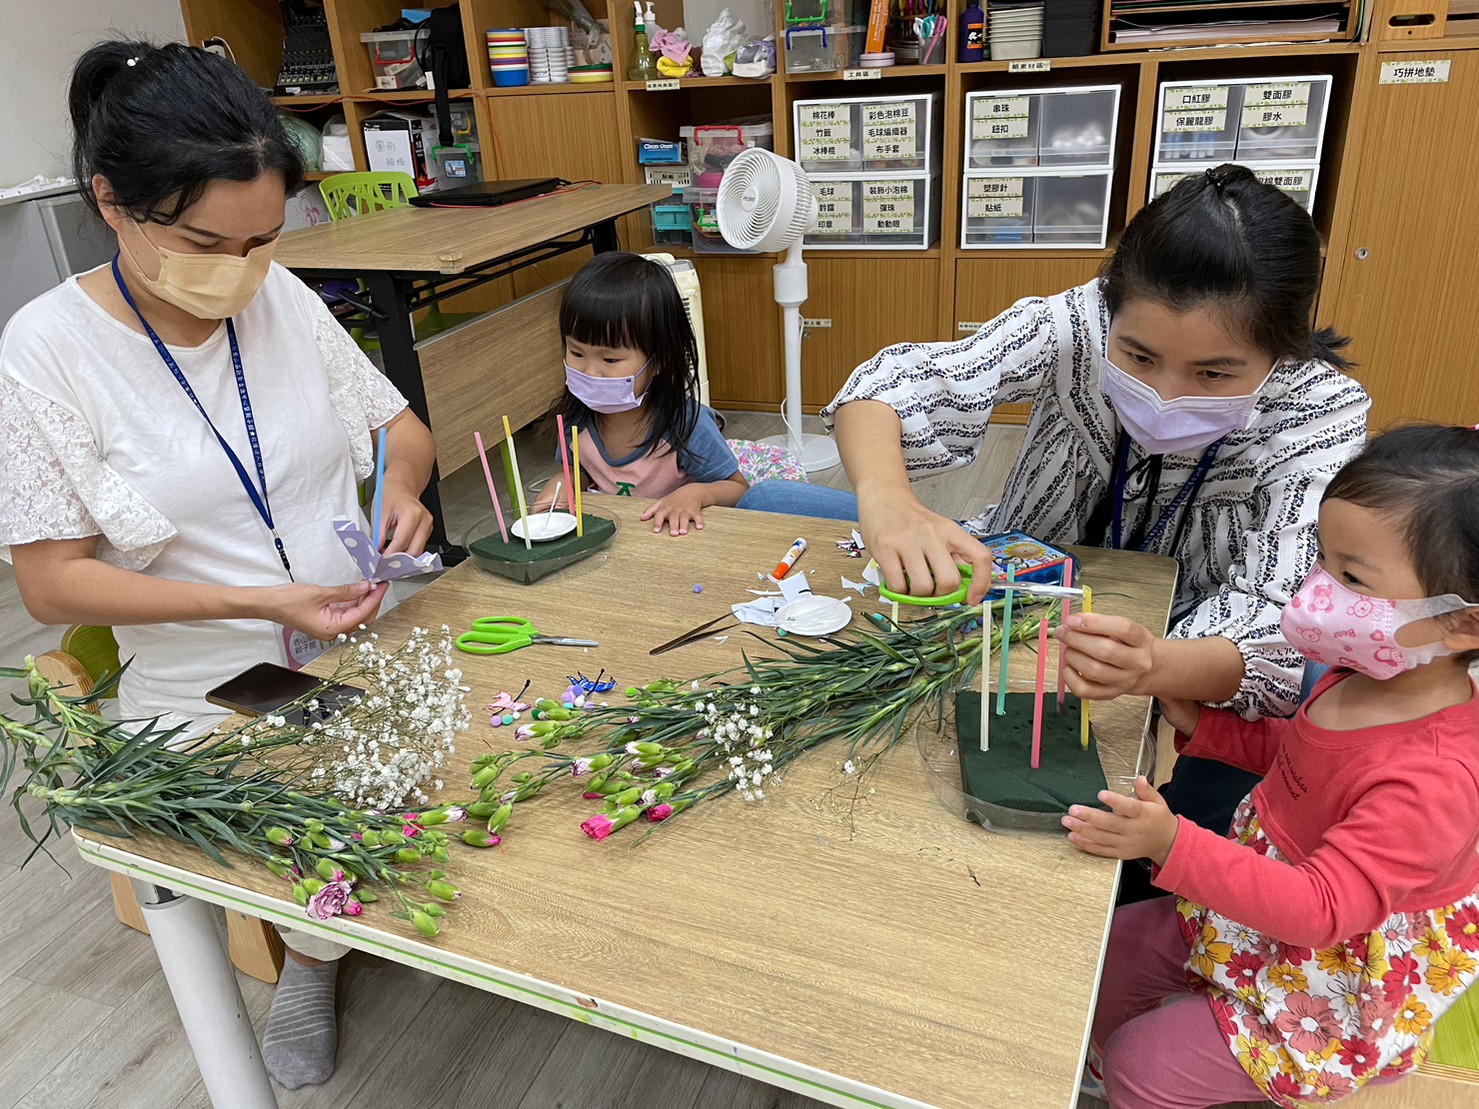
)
(492, 490)
(513, 458)
(379, 486)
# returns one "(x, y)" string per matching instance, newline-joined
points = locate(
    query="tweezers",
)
(697, 633)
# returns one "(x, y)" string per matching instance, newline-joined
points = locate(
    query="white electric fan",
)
(766, 203)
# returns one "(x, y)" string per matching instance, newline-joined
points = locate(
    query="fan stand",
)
(814, 452)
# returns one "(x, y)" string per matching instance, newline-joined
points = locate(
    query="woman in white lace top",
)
(178, 430)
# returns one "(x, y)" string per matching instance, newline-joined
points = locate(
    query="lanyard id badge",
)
(258, 498)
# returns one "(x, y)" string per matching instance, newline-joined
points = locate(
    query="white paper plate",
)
(814, 616)
(545, 526)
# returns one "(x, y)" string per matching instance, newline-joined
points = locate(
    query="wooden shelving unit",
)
(873, 298)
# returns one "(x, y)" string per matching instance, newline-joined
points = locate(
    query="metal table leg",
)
(204, 988)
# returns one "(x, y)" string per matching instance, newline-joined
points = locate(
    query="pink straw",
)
(1042, 681)
(565, 461)
(1067, 605)
(487, 473)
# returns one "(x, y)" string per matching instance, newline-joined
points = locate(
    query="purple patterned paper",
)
(377, 567)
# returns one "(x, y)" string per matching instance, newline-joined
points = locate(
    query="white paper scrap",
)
(861, 587)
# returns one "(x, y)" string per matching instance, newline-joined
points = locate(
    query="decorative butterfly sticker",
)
(377, 567)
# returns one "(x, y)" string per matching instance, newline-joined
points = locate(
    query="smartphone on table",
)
(267, 688)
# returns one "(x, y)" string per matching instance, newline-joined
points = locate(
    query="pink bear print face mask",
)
(1336, 626)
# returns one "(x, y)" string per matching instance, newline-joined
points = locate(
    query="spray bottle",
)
(643, 68)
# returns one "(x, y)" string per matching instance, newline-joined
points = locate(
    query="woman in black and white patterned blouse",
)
(1181, 404)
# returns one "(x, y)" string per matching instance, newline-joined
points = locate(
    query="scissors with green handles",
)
(498, 635)
(958, 596)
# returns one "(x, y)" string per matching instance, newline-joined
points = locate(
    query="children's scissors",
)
(498, 635)
(958, 596)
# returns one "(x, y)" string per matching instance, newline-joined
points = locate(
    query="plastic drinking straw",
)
(553, 504)
(513, 461)
(565, 460)
(986, 675)
(1006, 642)
(1062, 619)
(576, 492)
(895, 614)
(492, 491)
(1083, 704)
(379, 485)
(1038, 690)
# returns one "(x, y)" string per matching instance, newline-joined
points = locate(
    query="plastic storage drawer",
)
(1036, 210)
(890, 134)
(863, 211)
(1283, 119)
(1298, 182)
(1266, 119)
(1047, 127)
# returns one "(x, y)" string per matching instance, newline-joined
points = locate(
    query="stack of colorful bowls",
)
(508, 57)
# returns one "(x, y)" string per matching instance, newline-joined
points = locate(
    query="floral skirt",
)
(1312, 1026)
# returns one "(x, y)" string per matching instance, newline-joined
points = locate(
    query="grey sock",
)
(302, 1030)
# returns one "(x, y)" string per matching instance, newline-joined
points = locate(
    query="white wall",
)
(42, 41)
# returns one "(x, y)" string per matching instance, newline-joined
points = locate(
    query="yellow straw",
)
(575, 462)
(1083, 704)
(513, 458)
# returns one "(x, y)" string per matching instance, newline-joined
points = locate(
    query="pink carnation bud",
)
(659, 812)
(598, 827)
(353, 908)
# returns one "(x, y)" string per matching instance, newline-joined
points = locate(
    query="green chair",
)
(354, 194)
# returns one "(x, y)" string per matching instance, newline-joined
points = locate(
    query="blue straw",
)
(379, 484)
(1006, 642)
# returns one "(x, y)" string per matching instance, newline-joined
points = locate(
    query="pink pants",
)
(1159, 1056)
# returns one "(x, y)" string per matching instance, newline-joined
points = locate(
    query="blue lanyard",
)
(259, 499)
(1187, 493)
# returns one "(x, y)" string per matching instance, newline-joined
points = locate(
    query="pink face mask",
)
(1336, 626)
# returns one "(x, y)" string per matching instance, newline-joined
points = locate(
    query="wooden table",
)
(856, 943)
(410, 258)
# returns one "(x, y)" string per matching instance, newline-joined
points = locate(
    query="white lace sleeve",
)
(362, 396)
(54, 484)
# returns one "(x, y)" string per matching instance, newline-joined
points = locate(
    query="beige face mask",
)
(208, 286)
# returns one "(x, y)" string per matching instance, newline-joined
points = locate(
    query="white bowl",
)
(545, 526)
(814, 616)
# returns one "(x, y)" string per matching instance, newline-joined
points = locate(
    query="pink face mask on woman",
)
(1336, 626)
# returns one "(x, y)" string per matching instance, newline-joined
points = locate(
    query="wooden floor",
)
(86, 1019)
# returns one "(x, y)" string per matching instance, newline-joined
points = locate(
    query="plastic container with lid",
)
(823, 49)
(711, 147)
(393, 58)
(706, 237)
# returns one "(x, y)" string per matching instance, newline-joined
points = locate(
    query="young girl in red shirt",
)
(1310, 951)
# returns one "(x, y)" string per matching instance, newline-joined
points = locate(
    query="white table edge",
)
(692, 1043)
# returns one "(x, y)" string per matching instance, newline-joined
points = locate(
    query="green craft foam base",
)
(999, 786)
(529, 564)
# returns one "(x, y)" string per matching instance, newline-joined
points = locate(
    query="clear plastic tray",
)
(899, 212)
(885, 134)
(1298, 182)
(1005, 210)
(1245, 120)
